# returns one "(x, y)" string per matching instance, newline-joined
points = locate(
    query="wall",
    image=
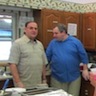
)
(51, 4)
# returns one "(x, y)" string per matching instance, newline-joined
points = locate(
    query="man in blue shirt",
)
(65, 53)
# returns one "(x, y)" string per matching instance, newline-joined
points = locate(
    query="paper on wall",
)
(72, 29)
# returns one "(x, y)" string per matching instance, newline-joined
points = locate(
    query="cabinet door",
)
(38, 19)
(49, 20)
(89, 34)
(86, 88)
(72, 18)
(11, 84)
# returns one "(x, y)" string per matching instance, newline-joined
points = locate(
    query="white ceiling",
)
(80, 1)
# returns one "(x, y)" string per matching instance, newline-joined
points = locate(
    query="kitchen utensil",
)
(35, 91)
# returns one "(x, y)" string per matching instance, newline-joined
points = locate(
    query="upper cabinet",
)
(73, 18)
(48, 19)
(89, 31)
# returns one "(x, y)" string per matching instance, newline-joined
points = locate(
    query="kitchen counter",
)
(5, 77)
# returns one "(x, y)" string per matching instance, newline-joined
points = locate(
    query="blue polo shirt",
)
(65, 58)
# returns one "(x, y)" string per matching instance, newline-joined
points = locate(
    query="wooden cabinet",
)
(50, 18)
(9, 85)
(86, 88)
(73, 18)
(89, 31)
(47, 20)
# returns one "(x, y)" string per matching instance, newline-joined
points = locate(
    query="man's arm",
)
(85, 72)
(44, 74)
(15, 74)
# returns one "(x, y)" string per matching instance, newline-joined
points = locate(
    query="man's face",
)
(57, 34)
(31, 30)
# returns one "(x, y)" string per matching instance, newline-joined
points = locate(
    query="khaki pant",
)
(71, 88)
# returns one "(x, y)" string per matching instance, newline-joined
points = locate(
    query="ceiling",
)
(80, 1)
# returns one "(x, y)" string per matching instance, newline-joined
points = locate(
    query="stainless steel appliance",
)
(34, 91)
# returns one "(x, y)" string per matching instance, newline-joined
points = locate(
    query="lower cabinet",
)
(86, 88)
(9, 85)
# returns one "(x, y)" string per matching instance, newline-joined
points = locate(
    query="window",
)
(5, 36)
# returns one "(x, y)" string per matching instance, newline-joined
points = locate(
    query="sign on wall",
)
(72, 29)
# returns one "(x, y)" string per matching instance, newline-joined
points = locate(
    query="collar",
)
(26, 39)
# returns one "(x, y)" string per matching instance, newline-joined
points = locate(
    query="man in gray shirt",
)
(27, 58)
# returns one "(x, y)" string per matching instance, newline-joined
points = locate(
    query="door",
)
(49, 20)
(86, 88)
(89, 28)
(72, 18)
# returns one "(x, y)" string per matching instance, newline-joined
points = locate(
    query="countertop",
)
(5, 77)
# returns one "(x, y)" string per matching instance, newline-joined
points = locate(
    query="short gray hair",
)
(61, 27)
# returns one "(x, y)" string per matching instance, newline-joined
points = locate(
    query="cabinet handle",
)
(86, 94)
(49, 30)
(86, 90)
(89, 29)
(55, 21)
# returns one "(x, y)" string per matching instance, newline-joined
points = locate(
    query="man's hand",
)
(85, 74)
(20, 84)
